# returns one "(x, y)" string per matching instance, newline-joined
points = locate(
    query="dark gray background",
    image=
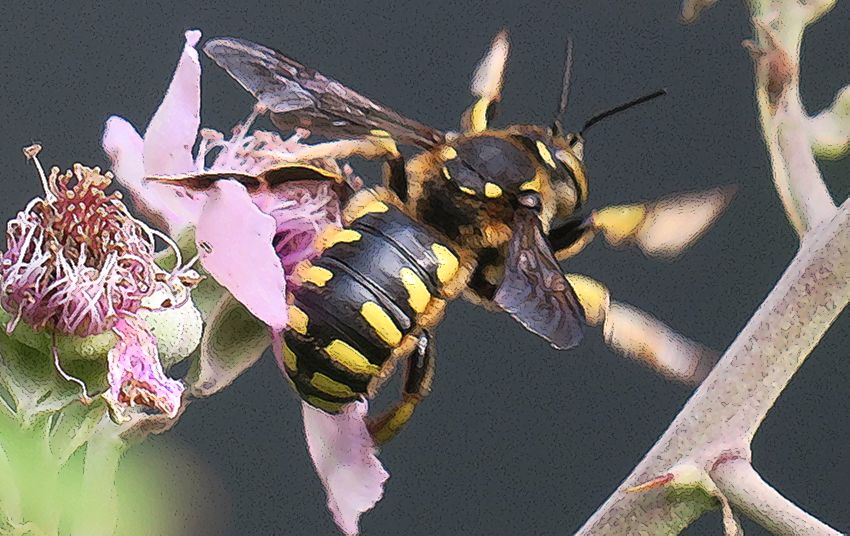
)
(517, 438)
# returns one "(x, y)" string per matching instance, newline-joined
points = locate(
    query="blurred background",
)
(516, 437)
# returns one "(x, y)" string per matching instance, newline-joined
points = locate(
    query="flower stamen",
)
(84, 397)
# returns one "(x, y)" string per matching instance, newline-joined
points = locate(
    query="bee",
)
(485, 213)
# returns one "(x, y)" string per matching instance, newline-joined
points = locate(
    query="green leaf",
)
(233, 341)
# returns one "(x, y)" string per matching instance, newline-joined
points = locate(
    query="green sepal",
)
(233, 341)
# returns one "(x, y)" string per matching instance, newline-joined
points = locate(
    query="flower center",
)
(76, 258)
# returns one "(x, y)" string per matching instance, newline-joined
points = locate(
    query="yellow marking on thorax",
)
(380, 133)
(330, 386)
(298, 319)
(343, 235)
(448, 262)
(289, 358)
(448, 153)
(544, 153)
(371, 208)
(446, 173)
(324, 405)
(492, 190)
(315, 274)
(535, 184)
(467, 190)
(381, 322)
(350, 359)
(416, 290)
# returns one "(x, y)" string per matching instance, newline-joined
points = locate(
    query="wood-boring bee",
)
(486, 213)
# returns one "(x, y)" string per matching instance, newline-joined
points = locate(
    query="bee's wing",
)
(535, 291)
(298, 96)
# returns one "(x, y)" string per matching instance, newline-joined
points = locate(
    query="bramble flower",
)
(250, 234)
(78, 264)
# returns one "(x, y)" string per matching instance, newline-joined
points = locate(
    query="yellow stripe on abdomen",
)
(330, 386)
(350, 359)
(381, 322)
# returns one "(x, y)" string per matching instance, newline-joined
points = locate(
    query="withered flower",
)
(77, 263)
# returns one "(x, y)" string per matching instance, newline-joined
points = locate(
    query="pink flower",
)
(249, 235)
(77, 263)
(135, 373)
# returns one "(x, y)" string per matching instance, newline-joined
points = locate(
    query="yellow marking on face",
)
(380, 133)
(574, 164)
(324, 405)
(289, 358)
(330, 386)
(478, 116)
(418, 295)
(298, 319)
(448, 153)
(344, 235)
(371, 208)
(544, 153)
(467, 190)
(448, 262)
(350, 359)
(446, 173)
(381, 323)
(492, 190)
(317, 275)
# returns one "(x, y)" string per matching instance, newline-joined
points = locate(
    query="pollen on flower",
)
(301, 209)
(75, 259)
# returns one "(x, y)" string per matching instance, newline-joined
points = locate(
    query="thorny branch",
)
(704, 456)
(748, 492)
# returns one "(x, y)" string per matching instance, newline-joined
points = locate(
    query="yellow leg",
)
(487, 85)
(660, 228)
(417, 385)
(638, 335)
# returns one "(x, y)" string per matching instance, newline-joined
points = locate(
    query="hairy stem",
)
(748, 492)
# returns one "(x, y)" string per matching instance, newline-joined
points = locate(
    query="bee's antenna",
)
(617, 109)
(557, 124)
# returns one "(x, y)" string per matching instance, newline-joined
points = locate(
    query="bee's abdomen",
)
(360, 301)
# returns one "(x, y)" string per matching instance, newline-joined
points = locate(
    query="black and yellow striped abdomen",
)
(363, 303)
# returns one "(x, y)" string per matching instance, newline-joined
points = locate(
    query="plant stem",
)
(726, 410)
(748, 492)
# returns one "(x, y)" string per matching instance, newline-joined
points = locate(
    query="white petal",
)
(174, 127)
(346, 462)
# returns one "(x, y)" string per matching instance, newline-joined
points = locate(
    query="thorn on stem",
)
(654, 483)
(774, 67)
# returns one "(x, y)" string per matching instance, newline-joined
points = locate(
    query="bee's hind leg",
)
(417, 385)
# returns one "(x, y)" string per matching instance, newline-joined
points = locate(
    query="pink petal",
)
(345, 460)
(135, 373)
(173, 129)
(164, 205)
(235, 242)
